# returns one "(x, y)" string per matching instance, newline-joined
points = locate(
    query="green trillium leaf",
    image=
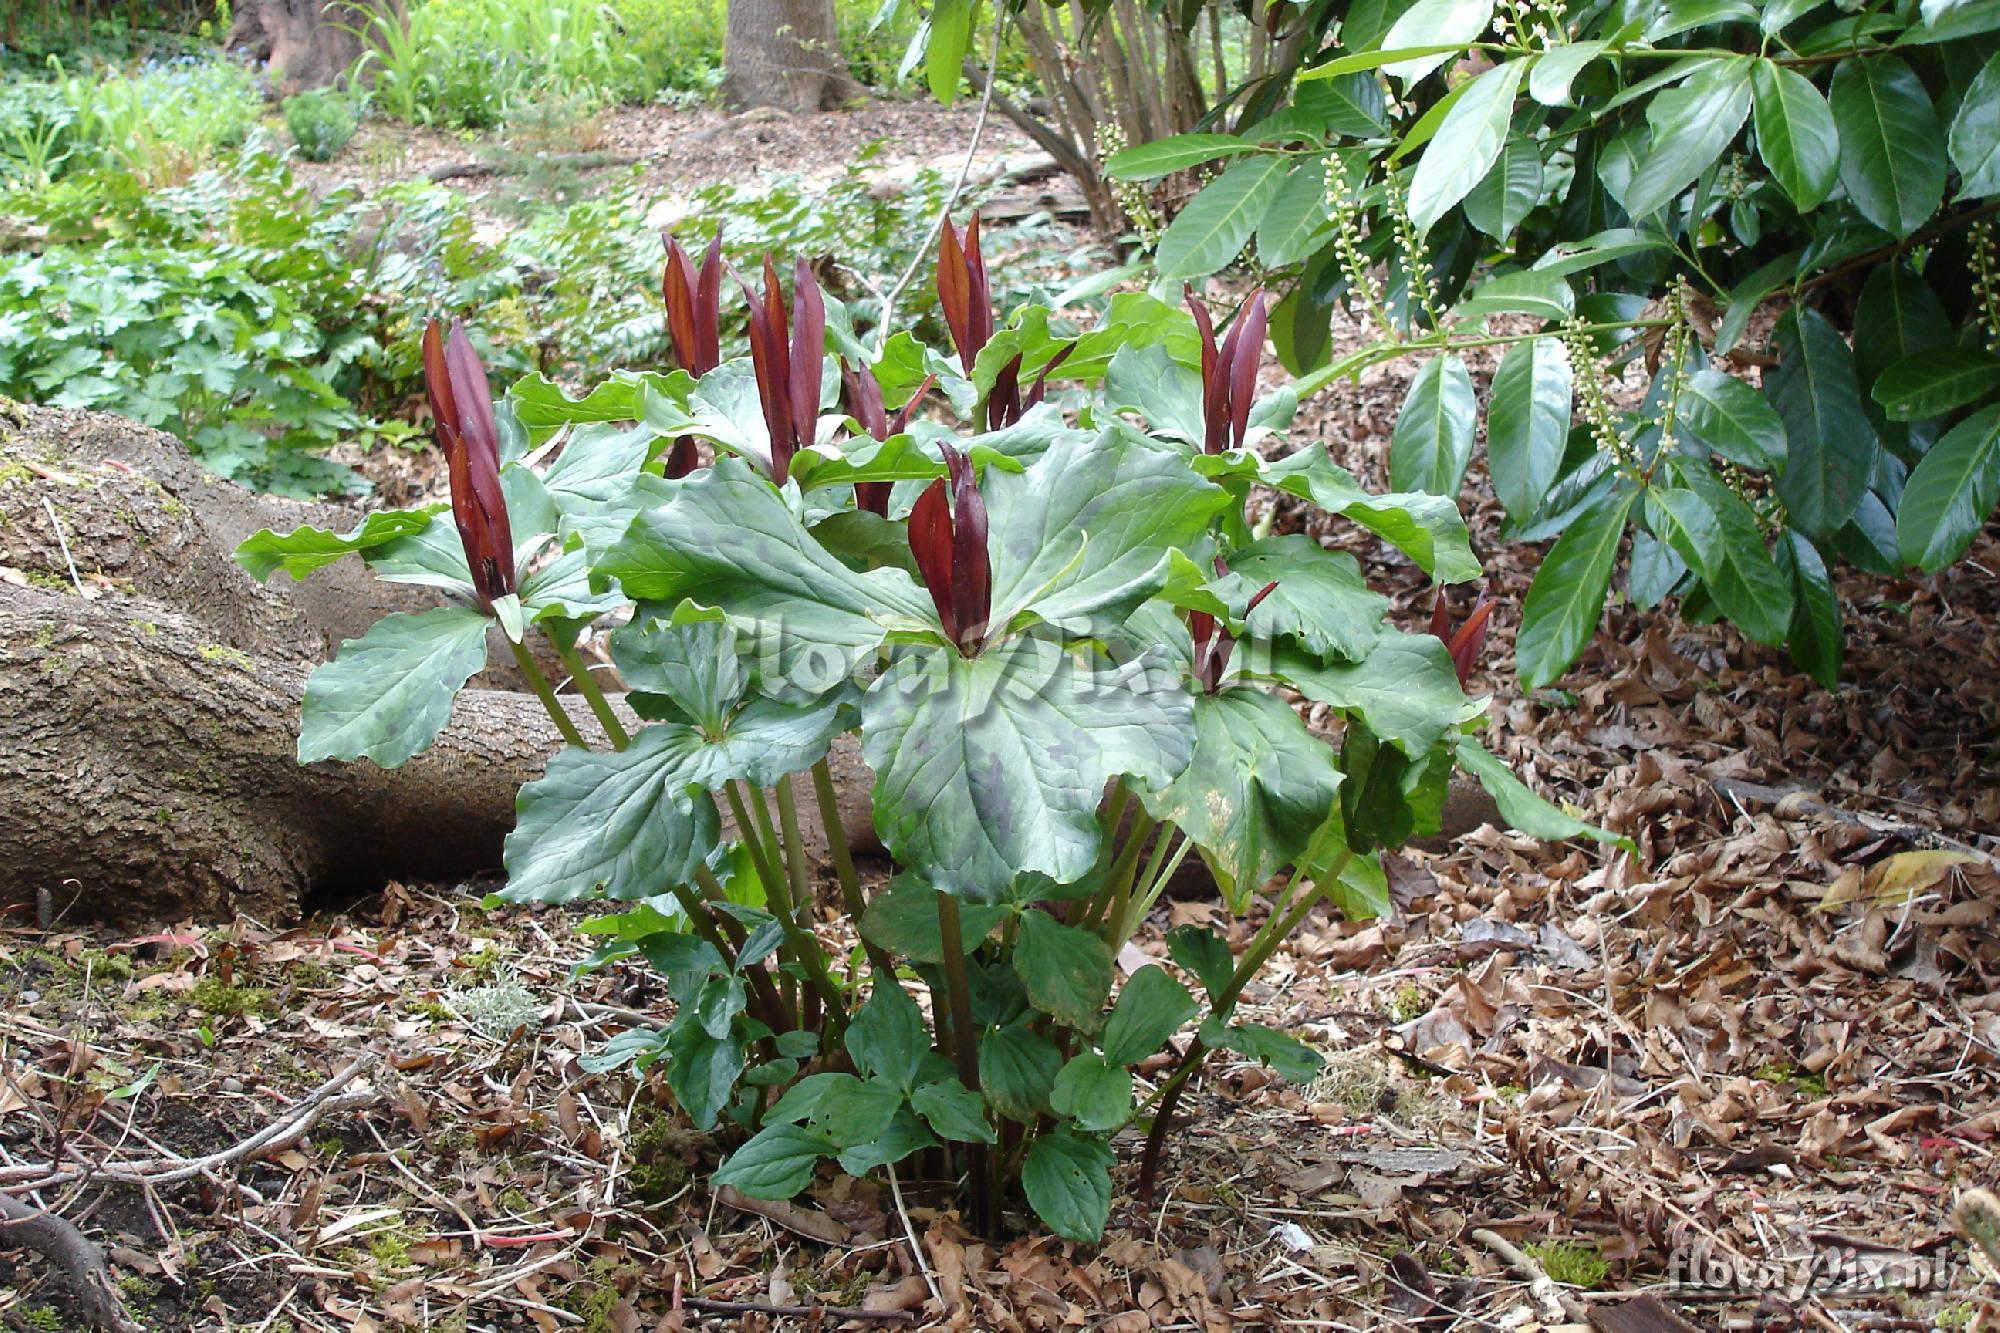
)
(1068, 1180)
(1257, 789)
(386, 695)
(991, 766)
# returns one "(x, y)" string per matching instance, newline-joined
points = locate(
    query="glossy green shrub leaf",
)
(1163, 157)
(1717, 534)
(1830, 445)
(1733, 420)
(1692, 124)
(1068, 1179)
(1567, 596)
(1432, 443)
(1433, 29)
(1466, 145)
(1975, 134)
(387, 694)
(1891, 146)
(1508, 191)
(1950, 493)
(1527, 423)
(1213, 229)
(1936, 381)
(1795, 133)
(1816, 638)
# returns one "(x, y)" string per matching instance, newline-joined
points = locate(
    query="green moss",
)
(1570, 1262)
(44, 1317)
(217, 652)
(1409, 1003)
(659, 1168)
(212, 996)
(390, 1248)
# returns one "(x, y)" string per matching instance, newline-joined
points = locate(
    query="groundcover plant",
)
(1070, 659)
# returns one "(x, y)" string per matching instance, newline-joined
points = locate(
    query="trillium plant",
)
(1069, 659)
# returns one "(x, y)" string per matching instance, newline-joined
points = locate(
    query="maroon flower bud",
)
(963, 291)
(1229, 373)
(1213, 642)
(694, 324)
(462, 410)
(864, 403)
(694, 306)
(788, 366)
(948, 539)
(1466, 642)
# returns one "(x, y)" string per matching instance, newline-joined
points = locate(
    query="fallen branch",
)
(81, 1261)
(1554, 1303)
(1922, 835)
(820, 1312)
(295, 1124)
(522, 164)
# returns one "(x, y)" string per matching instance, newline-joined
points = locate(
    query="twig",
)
(916, 1250)
(1922, 834)
(80, 1260)
(63, 542)
(294, 1125)
(822, 1312)
(964, 170)
(1555, 1303)
(510, 167)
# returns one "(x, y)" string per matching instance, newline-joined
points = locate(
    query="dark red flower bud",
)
(694, 306)
(1466, 642)
(963, 291)
(462, 410)
(1213, 643)
(864, 403)
(1229, 373)
(948, 539)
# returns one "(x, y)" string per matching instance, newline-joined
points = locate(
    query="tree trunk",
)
(785, 54)
(307, 43)
(149, 729)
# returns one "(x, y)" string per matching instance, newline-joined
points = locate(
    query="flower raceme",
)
(1229, 372)
(462, 408)
(1212, 640)
(948, 539)
(694, 323)
(1465, 643)
(864, 403)
(788, 373)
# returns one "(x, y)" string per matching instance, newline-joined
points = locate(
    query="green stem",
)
(1158, 871)
(843, 864)
(798, 917)
(1118, 879)
(778, 1015)
(1276, 928)
(762, 860)
(1307, 385)
(965, 1049)
(540, 685)
(586, 685)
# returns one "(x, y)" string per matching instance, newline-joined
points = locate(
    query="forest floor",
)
(1735, 1081)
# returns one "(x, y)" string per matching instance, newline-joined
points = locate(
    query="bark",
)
(785, 54)
(306, 43)
(148, 732)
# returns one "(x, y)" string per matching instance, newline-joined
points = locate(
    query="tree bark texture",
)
(306, 43)
(148, 731)
(785, 54)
